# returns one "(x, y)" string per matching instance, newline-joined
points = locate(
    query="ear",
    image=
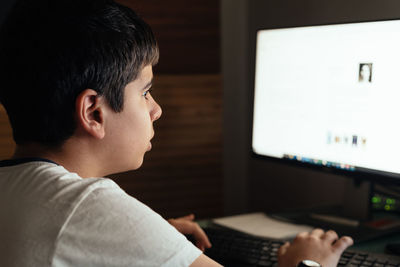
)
(89, 110)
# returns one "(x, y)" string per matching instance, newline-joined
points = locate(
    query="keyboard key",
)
(368, 263)
(347, 255)
(265, 263)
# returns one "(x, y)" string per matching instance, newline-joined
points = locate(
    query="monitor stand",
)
(356, 202)
(353, 218)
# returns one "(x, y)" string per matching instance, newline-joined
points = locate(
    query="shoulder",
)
(115, 229)
(43, 180)
(37, 200)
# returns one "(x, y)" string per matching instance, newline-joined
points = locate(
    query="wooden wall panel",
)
(187, 33)
(183, 172)
(7, 144)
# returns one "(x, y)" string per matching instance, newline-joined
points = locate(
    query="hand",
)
(187, 226)
(322, 247)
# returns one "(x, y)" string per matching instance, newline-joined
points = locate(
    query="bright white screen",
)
(330, 93)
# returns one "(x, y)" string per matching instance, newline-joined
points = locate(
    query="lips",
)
(150, 145)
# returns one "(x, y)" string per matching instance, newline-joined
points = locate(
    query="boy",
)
(75, 82)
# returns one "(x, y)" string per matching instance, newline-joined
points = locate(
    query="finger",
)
(282, 250)
(330, 236)
(189, 217)
(201, 237)
(200, 246)
(302, 235)
(343, 243)
(184, 226)
(191, 228)
(317, 232)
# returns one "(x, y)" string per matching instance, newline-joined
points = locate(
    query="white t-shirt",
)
(51, 217)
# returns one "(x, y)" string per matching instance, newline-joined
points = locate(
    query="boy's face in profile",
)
(128, 133)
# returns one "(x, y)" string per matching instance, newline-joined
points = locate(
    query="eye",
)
(145, 93)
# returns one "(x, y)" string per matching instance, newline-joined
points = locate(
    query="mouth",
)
(150, 145)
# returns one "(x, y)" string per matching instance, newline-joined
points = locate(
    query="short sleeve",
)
(111, 228)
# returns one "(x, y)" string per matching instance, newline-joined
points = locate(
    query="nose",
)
(156, 112)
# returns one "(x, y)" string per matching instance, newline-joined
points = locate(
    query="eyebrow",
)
(149, 84)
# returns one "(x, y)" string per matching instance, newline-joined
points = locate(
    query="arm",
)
(110, 228)
(203, 261)
(186, 225)
(322, 247)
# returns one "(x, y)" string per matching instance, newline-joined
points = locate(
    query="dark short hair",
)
(52, 50)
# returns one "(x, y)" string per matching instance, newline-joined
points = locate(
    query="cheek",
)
(139, 125)
(139, 119)
(133, 124)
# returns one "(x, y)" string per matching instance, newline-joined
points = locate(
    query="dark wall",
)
(187, 32)
(5, 6)
(252, 184)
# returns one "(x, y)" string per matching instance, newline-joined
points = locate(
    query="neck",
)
(83, 163)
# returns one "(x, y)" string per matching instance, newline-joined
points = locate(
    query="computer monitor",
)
(328, 97)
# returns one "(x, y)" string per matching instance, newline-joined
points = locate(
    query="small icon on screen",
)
(355, 139)
(364, 141)
(365, 73)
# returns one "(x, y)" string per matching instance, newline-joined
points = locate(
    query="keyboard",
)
(236, 249)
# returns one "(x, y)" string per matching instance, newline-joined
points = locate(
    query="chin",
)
(136, 165)
(126, 167)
